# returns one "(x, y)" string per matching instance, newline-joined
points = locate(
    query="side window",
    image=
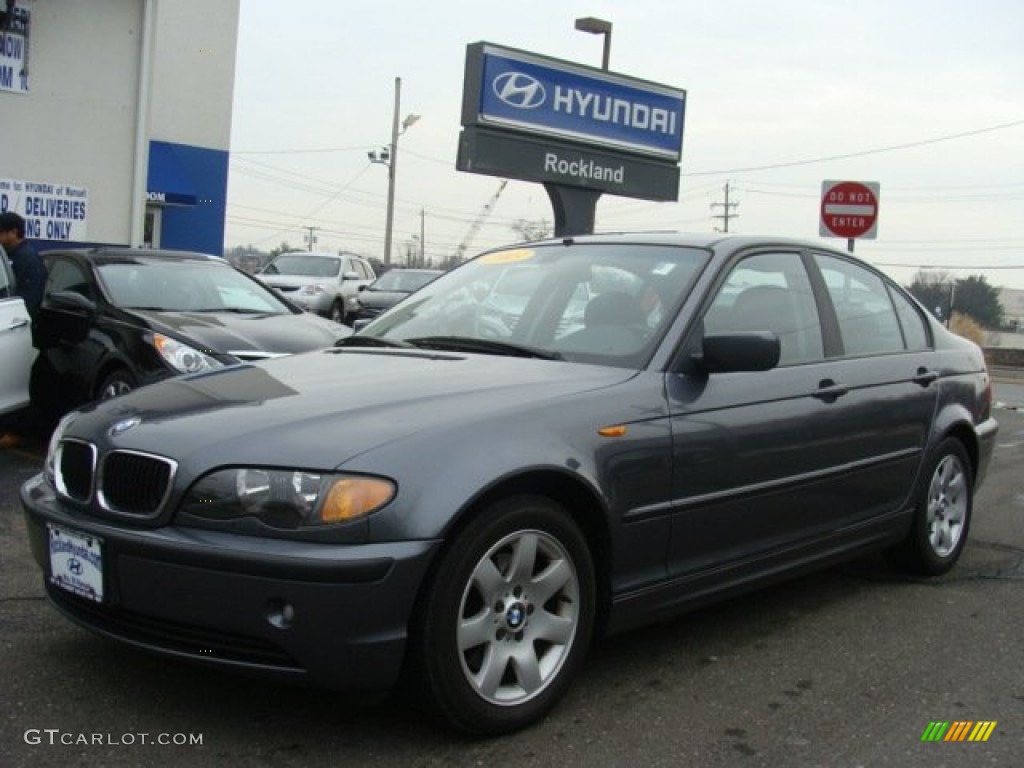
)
(361, 270)
(867, 319)
(68, 276)
(370, 274)
(914, 333)
(770, 292)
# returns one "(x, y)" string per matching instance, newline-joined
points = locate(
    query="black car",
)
(390, 288)
(659, 421)
(113, 319)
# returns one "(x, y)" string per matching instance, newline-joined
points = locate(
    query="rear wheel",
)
(117, 383)
(506, 622)
(942, 516)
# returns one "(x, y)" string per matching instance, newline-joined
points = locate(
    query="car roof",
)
(711, 240)
(321, 254)
(110, 255)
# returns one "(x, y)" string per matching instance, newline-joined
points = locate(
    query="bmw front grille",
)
(122, 482)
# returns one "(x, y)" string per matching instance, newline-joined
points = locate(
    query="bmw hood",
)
(321, 409)
(247, 336)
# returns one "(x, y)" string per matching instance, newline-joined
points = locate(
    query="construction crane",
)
(478, 222)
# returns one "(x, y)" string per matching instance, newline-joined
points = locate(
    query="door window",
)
(770, 292)
(6, 277)
(867, 318)
(915, 335)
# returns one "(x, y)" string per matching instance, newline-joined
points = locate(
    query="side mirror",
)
(358, 325)
(363, 288)
(746, 351)
(69, 301)
(350, 276)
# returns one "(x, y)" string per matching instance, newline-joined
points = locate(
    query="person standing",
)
(29, 269)
(29, 280)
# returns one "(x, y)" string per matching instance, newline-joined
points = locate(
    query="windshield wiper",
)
(371, 341)
(484, 346)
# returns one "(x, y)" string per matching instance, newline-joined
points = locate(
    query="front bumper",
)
(282, 609)
(320, 303)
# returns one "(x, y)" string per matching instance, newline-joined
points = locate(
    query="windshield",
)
(304, 265)
(601, 303)
(403, 280)
(186, 286)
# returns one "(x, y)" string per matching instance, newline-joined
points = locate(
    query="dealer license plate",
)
(76, 562)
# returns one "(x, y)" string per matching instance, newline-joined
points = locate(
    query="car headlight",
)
(183, 358)
(287, 499)
(50, 465)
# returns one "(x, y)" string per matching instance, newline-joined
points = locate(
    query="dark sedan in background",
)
(475, 508)
(390, 288)
(114, 319)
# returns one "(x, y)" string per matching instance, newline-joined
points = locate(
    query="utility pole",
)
(310, 237)
(423, 235)
(727, 209)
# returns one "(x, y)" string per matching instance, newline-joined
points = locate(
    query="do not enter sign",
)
(849, 209)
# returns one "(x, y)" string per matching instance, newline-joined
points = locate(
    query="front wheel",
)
(116, 383)
(942, 515)
(507, 620)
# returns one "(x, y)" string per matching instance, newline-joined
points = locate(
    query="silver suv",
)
(325, 283)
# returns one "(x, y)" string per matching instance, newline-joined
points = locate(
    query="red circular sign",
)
(848, 209)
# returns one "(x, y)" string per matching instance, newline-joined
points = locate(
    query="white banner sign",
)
(14, 36)
(51, 211)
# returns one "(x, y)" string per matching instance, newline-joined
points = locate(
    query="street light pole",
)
(598, 27)
(392, 166)
(389, 156)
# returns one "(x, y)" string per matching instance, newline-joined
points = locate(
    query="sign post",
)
(849, 209)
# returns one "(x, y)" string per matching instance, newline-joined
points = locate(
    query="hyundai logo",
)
(519, 90)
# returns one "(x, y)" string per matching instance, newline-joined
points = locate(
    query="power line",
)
(879, 150)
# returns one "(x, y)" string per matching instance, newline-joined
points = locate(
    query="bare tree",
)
(532, 229)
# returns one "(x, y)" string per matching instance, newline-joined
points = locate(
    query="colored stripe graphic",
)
(982, 731)
(959, 730)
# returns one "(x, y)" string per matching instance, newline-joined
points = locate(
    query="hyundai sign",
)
(531, 94)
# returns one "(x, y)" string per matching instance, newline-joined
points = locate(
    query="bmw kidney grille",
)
(123, 482)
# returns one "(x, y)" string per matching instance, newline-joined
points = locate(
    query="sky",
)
(926, 98)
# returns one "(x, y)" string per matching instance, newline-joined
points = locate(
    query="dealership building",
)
(117, 120)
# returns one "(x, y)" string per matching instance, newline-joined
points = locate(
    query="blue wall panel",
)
(199, 228)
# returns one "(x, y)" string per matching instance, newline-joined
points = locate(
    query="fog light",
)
(280, 613)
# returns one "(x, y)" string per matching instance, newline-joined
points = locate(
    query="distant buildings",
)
(1012, 300)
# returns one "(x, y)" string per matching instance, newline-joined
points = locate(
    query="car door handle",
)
(829, 391)
(925, 377)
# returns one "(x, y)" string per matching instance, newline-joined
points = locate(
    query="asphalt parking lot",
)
(844, 668)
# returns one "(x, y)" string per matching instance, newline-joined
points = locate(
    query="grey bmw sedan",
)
(469, 491)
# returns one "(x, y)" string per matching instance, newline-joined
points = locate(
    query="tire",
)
(116, 383)
(942, 514)
(337, 313)
(495, 645)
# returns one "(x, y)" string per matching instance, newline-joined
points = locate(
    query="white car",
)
(325, 283)
(16, 348)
